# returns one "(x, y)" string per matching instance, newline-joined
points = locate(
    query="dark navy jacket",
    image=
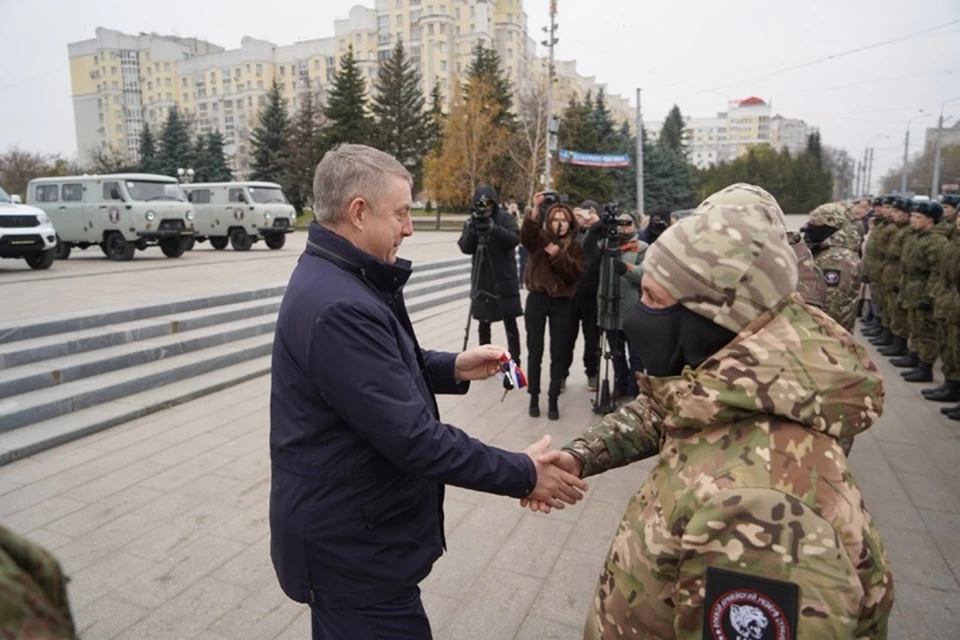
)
(359, 455)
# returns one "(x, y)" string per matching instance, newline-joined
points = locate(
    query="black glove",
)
(895, 289)
(621, 268)
(865, 279)
(481, 225)
(925, 306)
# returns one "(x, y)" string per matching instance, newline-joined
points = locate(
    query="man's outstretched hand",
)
(563, 460)
(478, 363)
(558, 481)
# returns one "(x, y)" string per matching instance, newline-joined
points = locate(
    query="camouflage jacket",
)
(893, 249)
(920, 266)
(876, 254)
(810, 283)
(841, 273)
(750, 479)
(947, 289)
(33, 592)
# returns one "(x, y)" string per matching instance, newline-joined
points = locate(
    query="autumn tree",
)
(528, 149)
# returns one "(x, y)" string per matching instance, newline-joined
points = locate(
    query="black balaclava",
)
(670, 338)
(814, 234)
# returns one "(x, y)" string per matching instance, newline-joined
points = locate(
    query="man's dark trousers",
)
(400, 619)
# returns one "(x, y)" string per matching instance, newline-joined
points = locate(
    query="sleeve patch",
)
(740, 606)
(831, 277)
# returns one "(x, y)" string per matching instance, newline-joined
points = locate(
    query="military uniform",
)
(837, 259)
(875, 260)
(890, 279)
(946, 308)
(751, 515)
(920, 264)
(33, 591)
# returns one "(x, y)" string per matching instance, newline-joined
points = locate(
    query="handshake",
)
(558, 478)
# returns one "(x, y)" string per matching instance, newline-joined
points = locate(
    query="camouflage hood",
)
(792, 362)
(837, 215)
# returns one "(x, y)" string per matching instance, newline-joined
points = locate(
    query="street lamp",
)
(868, 158)
(185, 175)
(906, 148)
(935, 187)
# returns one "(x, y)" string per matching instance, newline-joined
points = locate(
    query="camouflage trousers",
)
(923, 334)
(897, 320)
(948, 344)
(878, 294)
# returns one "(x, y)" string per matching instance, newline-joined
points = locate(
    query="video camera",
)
(608, 219)
(483, 207)
(550, 198)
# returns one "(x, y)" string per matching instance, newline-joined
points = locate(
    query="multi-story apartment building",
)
(121, 81)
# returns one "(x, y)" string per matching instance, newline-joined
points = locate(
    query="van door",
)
(76, 221)
(112, 211)
(237, 205)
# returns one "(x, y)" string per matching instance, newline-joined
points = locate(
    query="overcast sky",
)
(696, 53)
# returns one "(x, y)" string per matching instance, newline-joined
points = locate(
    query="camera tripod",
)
(608, 321)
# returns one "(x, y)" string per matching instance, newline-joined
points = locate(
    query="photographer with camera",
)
(657, 223)
(617, 233)
(491, 236)
(555, 263)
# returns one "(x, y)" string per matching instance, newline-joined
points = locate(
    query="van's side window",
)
(200, 196)
(108, 188)
(71, 192)
(236, 195)
(48, 193)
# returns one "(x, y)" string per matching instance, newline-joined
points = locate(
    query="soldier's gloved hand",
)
(620, 268)
(925, 306)
(895, 289)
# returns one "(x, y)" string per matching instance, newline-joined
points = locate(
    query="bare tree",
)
(18, 167)
(529, 144)
(108, 159)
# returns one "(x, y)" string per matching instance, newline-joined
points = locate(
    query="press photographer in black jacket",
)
(496, 287)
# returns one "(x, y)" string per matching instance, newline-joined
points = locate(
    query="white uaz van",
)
(241, 213)
(120, 213)
(26, 232)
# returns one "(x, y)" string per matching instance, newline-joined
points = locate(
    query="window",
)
(166, 82)
(213, 77)
(283, 70)
(430, 29)
(113, 71)
(383, 23)
(116, 99)
(259, 69)
(150, 85)
(47, 193)
(443, 28)
(184, 82)
(186, 97)
(199, 196)
(116, 85)
(236, 195)
(166, 67)
(443, 65)
(259, 84)
(108, 188)
(316, 64)
(169, 96)
(72, 192)
(399, 19)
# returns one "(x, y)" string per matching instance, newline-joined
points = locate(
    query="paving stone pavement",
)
(162, 523)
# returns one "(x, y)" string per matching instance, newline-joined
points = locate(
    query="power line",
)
(31, 79)
(858, 84)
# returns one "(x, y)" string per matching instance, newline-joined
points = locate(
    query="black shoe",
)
(923, 373)
(885, 339)
(553, 410)
(872, 333)
(948, 410)
(955, 414)
(534, 405)
(910, 361)
(898, 348)
(949, 392)
(926, 392)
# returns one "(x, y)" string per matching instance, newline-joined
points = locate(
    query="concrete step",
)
(45, 404)
(47, 434)
(50, 373)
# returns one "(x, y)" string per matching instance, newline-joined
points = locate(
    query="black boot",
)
(898, 348)
(885, 339)
(910, 361)
(872, 332)
(949, 392)
(534, 405)
(948, 410)
(955, 414)
(553, 410)
(923, 373)
(926, 392)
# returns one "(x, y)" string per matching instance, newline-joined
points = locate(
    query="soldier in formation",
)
(946, 310)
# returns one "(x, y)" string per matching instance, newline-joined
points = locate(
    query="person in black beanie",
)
(496, 291)
(657, 223)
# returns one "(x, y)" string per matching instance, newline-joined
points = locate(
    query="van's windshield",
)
(147, 191)
(266, 195)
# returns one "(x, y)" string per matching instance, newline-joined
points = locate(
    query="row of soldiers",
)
(912, 263)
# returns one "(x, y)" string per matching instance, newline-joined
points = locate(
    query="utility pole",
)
(935, 185)
(858, 180)
(906, 148)
(639, 158)
(550, 42)
(869, 169)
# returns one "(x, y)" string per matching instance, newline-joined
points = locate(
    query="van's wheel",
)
(276, 241)
(41, 260)
(173, 247)
(240, 240)
(219, 242)
(188, 243)
(118, 248)
(61, 251)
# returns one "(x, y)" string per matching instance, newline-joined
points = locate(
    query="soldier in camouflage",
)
(874, 261)
(833, 239)
(946, 304)
(919, 266)
(890, 279)
(751, 513)
(33, 592)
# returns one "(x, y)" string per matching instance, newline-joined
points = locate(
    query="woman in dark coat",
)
(496, 287)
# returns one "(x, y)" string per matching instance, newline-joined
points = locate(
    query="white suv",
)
(26, 232)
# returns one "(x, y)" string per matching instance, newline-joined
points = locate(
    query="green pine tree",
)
(302, 153)
(435, 124)
(149, 162)
(486, 64)
(346, 108)
(671, 135)
(197, 159)
(174, 145)
(217, 168)
(268, 140)
(403, 127)
(579, 132)
(604, 128)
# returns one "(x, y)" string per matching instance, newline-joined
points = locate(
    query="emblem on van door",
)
(238, 214)
(114, 215)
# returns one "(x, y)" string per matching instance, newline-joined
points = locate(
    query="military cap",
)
(952, 200)
(889, 200)
(929, 209)
(903, 204)
(877, 201)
